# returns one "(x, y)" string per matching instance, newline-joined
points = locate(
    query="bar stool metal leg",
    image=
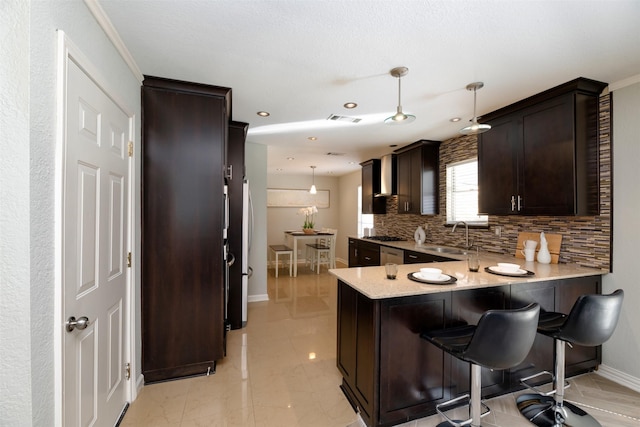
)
(477, 409)
(553, 411)
(476, 391)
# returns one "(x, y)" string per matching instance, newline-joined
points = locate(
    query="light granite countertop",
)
(372, 281)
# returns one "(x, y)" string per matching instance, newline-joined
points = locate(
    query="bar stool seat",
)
(278, 250)
(501, 339)
(591, 322)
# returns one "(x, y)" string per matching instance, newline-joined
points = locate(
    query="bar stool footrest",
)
(534, 388)
(464, 397)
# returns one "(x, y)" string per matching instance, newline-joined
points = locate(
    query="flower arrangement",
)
(308, 213)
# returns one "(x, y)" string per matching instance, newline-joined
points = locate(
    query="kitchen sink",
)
(445, 250)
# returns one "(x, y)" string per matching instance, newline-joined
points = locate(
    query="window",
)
(364, 220)
(462, 193)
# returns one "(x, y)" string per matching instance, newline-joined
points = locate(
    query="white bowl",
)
(508, 267)
(430, 273)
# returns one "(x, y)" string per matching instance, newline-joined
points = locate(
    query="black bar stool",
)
(591, 322)
(502, 339)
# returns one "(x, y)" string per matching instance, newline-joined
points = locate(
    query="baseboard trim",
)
(140, 382)
(619, 377)
(258, 298)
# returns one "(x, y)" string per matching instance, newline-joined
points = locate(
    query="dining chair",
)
(323, 251)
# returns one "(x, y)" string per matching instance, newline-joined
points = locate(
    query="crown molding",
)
(112, 34)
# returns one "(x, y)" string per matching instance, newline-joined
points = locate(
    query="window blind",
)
(462, 193)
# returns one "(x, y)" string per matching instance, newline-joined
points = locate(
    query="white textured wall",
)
(15, 312)
(621, 352)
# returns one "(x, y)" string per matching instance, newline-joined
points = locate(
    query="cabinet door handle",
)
(513, 203)
(519, 203)
(413, 256)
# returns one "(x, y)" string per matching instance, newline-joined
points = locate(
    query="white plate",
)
(442, 278)
(518, 272)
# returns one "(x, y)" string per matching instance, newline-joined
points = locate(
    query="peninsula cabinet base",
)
(391, 375)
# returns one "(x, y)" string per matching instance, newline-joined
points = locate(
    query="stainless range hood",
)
(388, 175)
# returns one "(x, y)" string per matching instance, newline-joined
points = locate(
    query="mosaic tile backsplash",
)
(586, 240)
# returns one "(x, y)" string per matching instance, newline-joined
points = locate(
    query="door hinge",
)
(129, 260)
(127, 370)
(130, 148)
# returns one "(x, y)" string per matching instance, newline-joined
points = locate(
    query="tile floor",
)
(280, 371)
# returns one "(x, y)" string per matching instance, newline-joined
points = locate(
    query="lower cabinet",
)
(363, 254)
(392, 376)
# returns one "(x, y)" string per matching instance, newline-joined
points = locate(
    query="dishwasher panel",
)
(388, 254)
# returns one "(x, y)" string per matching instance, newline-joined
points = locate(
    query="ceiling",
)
(301, 60)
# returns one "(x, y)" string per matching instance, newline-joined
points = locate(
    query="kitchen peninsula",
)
(391, 375)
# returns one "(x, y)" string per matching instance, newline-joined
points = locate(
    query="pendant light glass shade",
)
(399, 117)
(313, 183)
(475, 127)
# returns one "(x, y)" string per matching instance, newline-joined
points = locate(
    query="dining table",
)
(295, 236)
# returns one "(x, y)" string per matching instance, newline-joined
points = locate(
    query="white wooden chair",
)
(323, 251)
(279, 250)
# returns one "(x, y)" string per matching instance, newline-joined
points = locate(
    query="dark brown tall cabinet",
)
(185, 130)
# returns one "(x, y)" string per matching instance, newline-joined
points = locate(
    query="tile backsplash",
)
(586, 240)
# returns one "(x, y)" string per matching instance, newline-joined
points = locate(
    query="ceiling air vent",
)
(347, 119)
(332, 153)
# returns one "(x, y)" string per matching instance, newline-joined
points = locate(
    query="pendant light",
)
(313, 183)
(399, 117)
(475, 127)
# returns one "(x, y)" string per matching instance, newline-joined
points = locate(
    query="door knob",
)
(73, 323)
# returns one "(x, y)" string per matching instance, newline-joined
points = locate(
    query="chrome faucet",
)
(466, 232)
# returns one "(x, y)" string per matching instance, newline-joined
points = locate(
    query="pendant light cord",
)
(475, 118)
(399, 94)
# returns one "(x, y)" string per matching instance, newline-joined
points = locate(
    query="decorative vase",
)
(308, 230)
(544, 257)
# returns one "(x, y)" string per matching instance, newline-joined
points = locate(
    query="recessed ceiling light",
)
(263, 114)
(352, 163)
(350, 105)
(393, 145)
(312, 138)
(455, 119)
(279, 169)
(291, 158)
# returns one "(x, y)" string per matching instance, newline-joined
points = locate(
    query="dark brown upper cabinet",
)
(418, 178)
(372, 204)
(541, 155)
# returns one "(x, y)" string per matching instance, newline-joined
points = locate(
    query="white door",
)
(94, 252)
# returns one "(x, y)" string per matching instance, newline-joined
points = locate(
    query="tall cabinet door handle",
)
(513, 203)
